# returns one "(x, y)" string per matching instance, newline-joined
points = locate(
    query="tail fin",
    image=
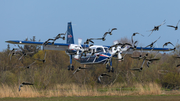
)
(70, 38)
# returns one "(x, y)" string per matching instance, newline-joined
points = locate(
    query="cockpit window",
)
(99, 49)
(106, 49)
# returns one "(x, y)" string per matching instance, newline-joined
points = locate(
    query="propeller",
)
(79, 41)
(119, 55)
(79, 45)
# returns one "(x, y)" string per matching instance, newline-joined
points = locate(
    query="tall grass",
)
(76, 90)
(148, 89)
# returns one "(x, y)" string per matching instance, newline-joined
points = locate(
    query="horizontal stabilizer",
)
(49, 46)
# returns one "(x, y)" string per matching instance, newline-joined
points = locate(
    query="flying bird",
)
(110, 33)
(89, 40)
(59, 36)
(167, 44)
(43, 60)
(137, 69)
(151, 45)
(150, 61)
(102, 75)
(47, 41)
(156, 28)
(105, 34)
(120, 44)
(177, 57)
(13, 52)
(144, 59)
(24, 83)
(178, 65)
(31, 64)
(175, 27)
(78, 69)
(112, 30)
(134, 35)
(23, 53)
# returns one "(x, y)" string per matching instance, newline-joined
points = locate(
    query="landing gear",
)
(71, 67)
(107, 66)
(111, 69)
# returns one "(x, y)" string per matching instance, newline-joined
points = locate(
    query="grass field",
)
(101, 98)
(73, 92)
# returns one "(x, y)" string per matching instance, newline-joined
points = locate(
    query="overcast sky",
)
(21, 19)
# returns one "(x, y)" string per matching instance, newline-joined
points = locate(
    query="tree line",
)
(54, 70)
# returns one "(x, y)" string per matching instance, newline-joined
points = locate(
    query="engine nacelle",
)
(74, 47)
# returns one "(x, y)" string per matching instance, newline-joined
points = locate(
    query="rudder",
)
(70, 38)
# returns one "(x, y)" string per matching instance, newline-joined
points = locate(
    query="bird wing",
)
(25, 83)
(75, 71)
(105, 34)
(178, 23)
(99, 78)
(151, 32)
(162, 23)
(19, 87)
(167, 44)
(95, 38)
(177, 57)
(171, 26)
(113, 29)
(178, 65)
(45, 55)
(141, 35)
(21, 57)
(156, 40)
(32, 63)
(152, 59)
(136, 69)
(135, 57)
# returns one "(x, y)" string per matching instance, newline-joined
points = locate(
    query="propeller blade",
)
(115, 42)
(119, 56)
(79, 41)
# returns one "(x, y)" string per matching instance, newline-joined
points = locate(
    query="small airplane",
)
(89, 54)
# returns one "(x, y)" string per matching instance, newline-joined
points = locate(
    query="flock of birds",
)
(132, 46)
(22, 52)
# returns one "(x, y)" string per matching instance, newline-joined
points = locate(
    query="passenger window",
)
(99, 50)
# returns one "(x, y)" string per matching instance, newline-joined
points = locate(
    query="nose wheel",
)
(107, 66)
(111, 69)
(71, 67)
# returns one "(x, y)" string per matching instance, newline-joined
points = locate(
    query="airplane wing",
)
(154, 49)
(149, 49)
(64, 46)
(49, 46)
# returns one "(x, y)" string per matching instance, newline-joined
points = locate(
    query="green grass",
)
(101, 98)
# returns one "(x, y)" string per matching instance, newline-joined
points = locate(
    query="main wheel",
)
(72, 68)
(112, 70)
(69, 68)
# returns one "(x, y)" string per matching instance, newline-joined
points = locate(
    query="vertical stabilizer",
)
(70, 38)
